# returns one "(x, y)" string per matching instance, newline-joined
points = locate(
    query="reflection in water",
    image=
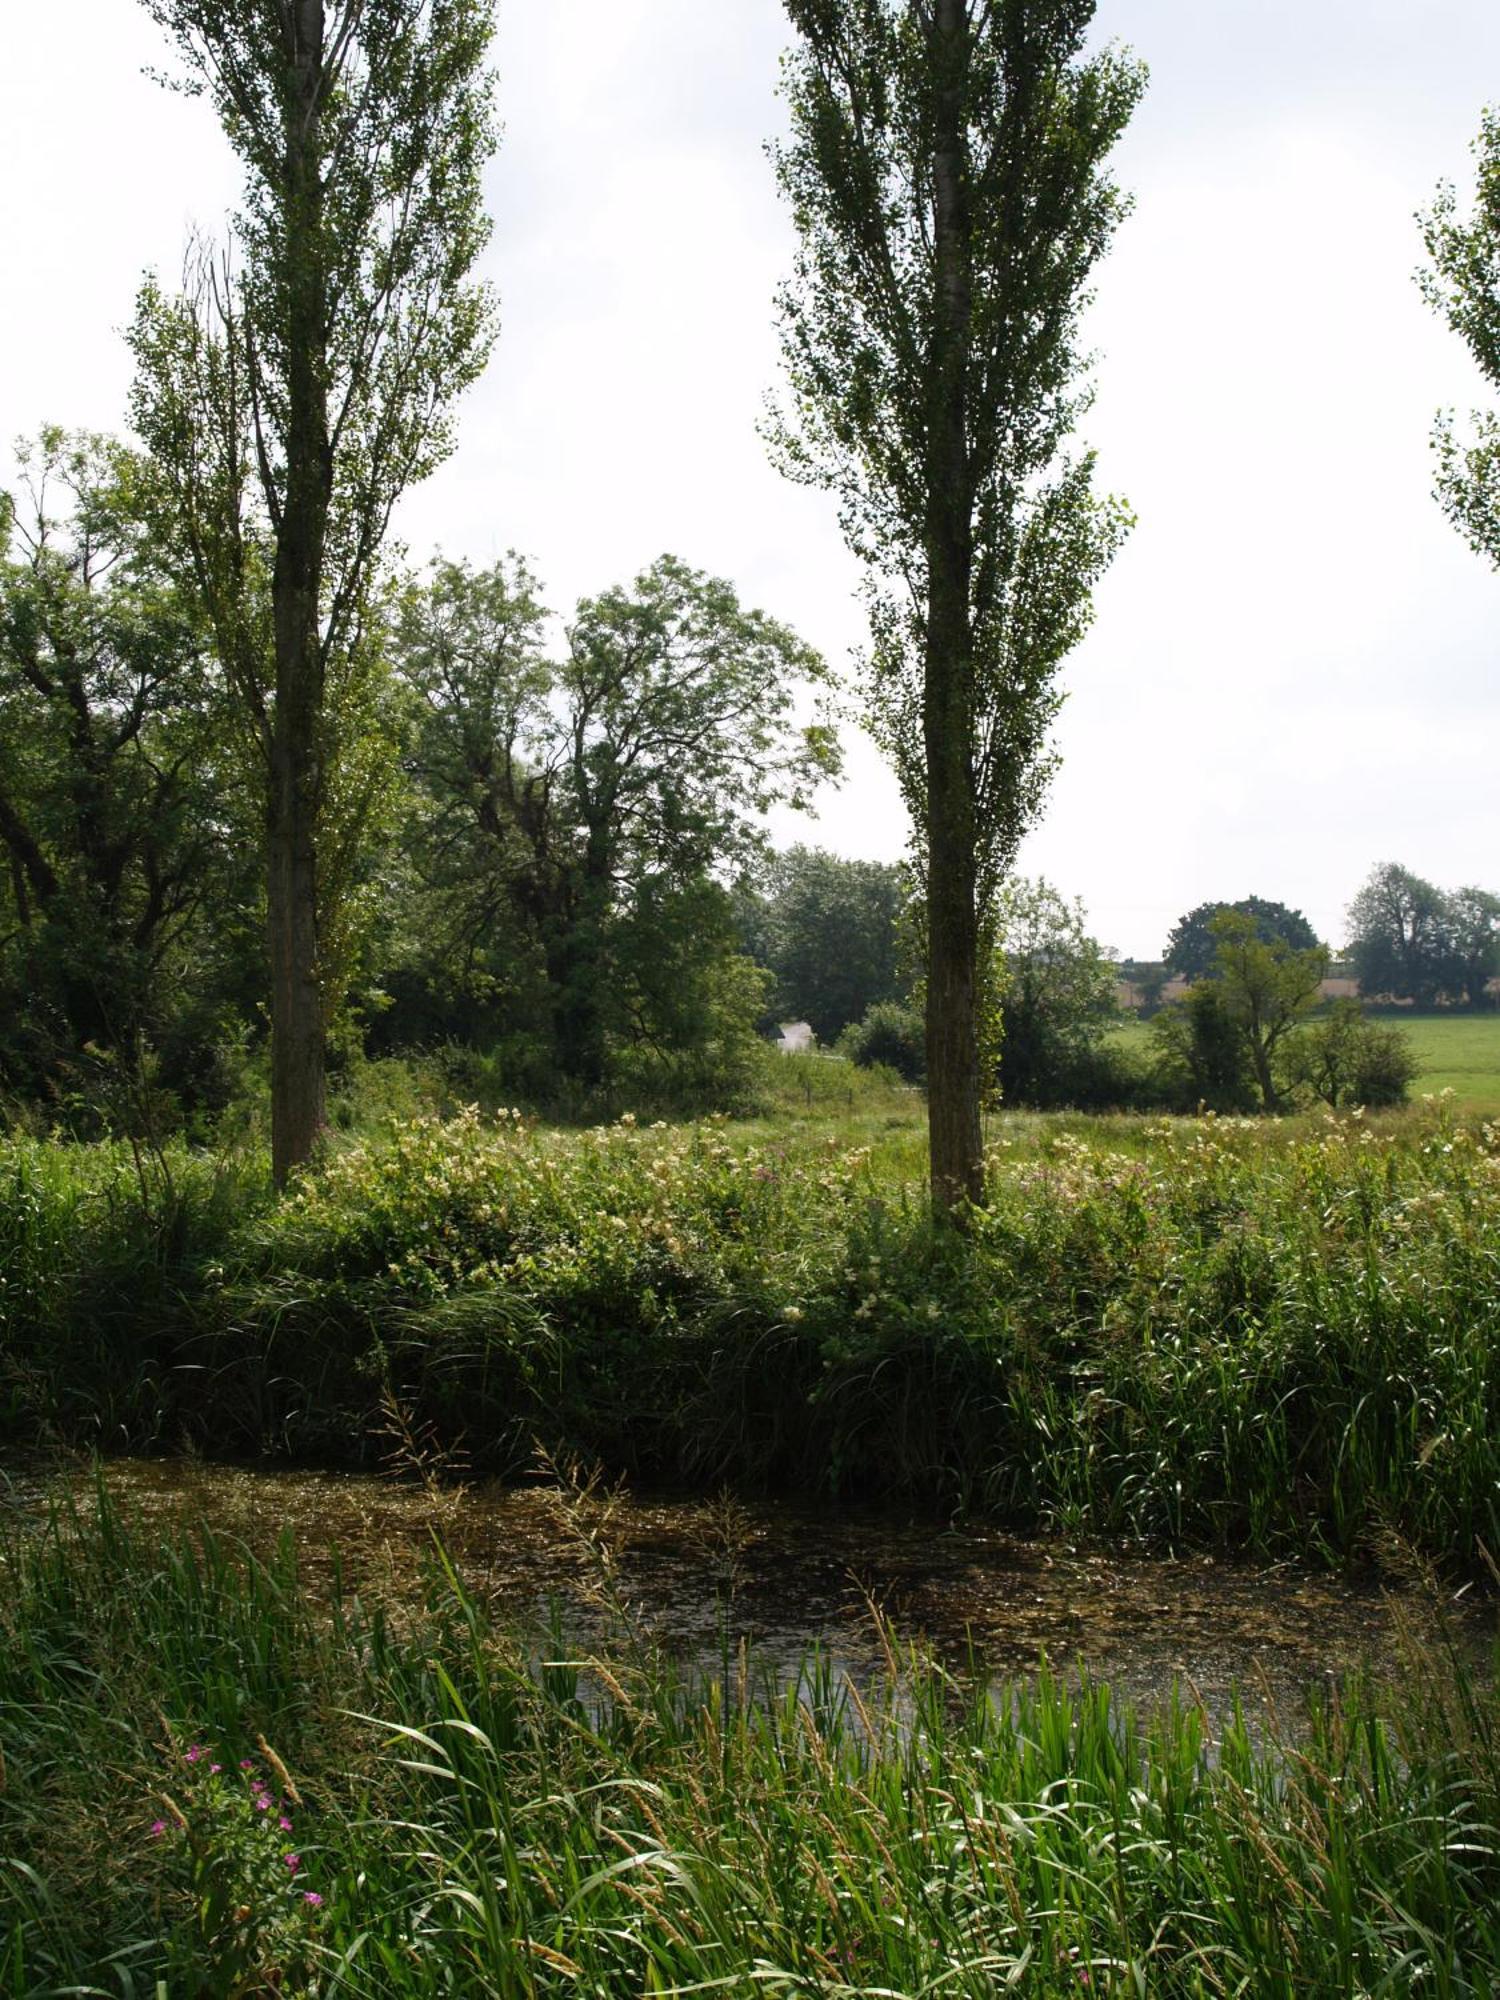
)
(695, 1574)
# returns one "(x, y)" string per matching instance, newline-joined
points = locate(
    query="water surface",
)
(698, 1576)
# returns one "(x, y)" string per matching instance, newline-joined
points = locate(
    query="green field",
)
(1458, 1052)
(1461, 1053)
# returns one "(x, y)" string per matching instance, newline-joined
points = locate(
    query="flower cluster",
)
(230, 1832)
(602, 1218)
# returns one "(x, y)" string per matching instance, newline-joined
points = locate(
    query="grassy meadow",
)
(1458, 1052)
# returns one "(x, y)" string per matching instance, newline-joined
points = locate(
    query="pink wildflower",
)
(194, 1752)
(284, 1823)
(293, 1861)
(158, 1828)
(311, 1896)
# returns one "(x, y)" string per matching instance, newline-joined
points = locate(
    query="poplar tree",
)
(945, 170)
(302, 384)
(1463, 286)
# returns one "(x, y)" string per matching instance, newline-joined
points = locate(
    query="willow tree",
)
(301, 385)
(945, 169)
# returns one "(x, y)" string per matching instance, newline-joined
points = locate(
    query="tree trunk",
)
(581, 973)
(1260, 1056)
(297, 1023)
(955, 1140)
(953, 1094)
(296, 778)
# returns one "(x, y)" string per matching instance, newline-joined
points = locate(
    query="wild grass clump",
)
(105, 1250)
(1230, 1333)
(470, 1812)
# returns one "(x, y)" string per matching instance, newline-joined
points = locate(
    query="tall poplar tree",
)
(946, 173)
(302, 384)
(1463, 286)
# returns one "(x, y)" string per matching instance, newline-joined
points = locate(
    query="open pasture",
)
(1458, 1052)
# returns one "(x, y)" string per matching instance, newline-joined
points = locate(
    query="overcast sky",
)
(1293, 671)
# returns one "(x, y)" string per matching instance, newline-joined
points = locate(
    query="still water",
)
(696, 1575)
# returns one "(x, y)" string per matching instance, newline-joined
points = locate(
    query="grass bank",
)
(1227, 1333)
(218, 1779)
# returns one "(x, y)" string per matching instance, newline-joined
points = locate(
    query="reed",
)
(471, 1813)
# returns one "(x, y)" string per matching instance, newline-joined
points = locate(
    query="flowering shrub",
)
(232, 1845)
(441, 1205)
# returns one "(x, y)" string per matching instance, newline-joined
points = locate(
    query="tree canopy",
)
(119, 805)
(1411, 940)
(591, 811)
(827, 928)
(1057, 997)
(1193, 942)
(1266, 987)
(1463, 286)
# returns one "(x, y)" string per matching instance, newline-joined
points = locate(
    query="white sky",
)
(1292, 675)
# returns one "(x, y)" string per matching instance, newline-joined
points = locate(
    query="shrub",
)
(891, 1035)
(1197, 1331)
(1344, 1059)
(1056, 994)
(1200, 1058)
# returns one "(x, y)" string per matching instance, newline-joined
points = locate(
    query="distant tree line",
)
(1411, 941)
(1407, 941)
(1251, 1034)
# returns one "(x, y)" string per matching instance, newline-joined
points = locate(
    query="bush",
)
(890, 1035)
(1056, 994)
(1200, 1058)
(1344, 1059)
(1236, 1333)
(1102, 1076)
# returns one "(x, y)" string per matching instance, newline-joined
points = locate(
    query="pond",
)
(696, 1574)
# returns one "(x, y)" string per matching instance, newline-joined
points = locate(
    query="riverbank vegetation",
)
(1232, 1333)
(220, 1777)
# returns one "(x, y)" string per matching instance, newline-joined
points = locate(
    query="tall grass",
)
(1225, 1333)
(470, 1818)
(106, 1256)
